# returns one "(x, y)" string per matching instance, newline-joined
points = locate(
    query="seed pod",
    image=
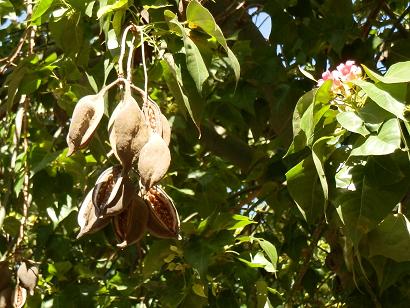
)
(154, 161)
(108, 189)
(87, 218)
(127, 131)
(19, 297)
(130, 225)
(5, 275)
(28, 276)
(152, 115)
(5, 297)
(166, 129)
(163, 218)
(86, 115)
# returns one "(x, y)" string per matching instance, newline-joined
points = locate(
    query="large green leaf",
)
(385, 142)
(305, 188)
(370, 198)
(391, 238)
(199, 16)
(397, 73)
(195, 63)
(352, 122)
(172, 76)
(40, 8)
(383, 98)
(117, 5)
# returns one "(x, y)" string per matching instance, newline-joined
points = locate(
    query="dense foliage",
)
(290, 192)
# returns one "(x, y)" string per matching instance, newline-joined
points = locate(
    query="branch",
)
(317, 233)
(10, 59)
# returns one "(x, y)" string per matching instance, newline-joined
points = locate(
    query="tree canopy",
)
(284, 181)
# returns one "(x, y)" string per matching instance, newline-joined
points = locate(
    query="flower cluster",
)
(342, 77)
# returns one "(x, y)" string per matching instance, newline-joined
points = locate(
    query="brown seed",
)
(28, 276)
(166, 129)
(128, 131)
(86, 115)
(154, 161)
(130, 225)
(163, 220)
(108, 189)
(19, 296)
(87, 219)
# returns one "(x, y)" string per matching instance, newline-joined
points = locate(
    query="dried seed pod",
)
(19, 296)
(152, 115)
(86, 115)
(126, 193)
(108, 189)
(128, 131)
(87, 218)
(163, 218)
(5, 297)
(154, 161)
(166, 129)
(130, 225)
(5, 275)
(28, 276)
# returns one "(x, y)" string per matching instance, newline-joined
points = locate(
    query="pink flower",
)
(344, 73)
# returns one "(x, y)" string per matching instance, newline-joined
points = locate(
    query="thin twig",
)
(10, 59)
(130, 58)
(306, 261)
(144, 66)
(121, 58)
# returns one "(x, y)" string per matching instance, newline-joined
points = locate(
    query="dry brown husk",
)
(28, 276)
(19, 296)
(128, 131)
(154, 161)
(152, 115)
(130, 225)
(87, 218)
(86, 115)
(163, 218)
(6, 297)
(108, 189)
(5, 275)
(166, 129)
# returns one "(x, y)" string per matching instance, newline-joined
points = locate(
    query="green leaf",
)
(111, 8)
(321, 150)
(391, 238)
(352, 122)
(195, 63)
(172, 76)
(385, 142)
(270, 251)
(198, 289)
(397, 73)
(383, 98)
(199, 16)
(305, 189)
(40, 8)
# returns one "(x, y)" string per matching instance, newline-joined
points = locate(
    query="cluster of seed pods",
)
(139, 139)
(27, 277)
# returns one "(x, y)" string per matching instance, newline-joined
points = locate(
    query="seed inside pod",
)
(19, 297)
(126, 193)
(163, 218)
(128, 131)
(86, 115)
(108, 189)
(28, 276)
(154, 161)
(130, 225)
(87, 219)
